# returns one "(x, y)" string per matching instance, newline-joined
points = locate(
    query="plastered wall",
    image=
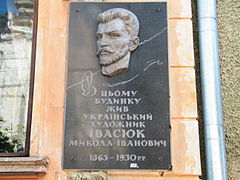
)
(229, 33)
(48, 108)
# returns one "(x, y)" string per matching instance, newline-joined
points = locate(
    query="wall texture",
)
(229, 43)
(229, 25)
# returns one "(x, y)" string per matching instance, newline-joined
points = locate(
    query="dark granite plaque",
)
(118, 122)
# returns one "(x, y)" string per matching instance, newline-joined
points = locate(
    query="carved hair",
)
(130, 19)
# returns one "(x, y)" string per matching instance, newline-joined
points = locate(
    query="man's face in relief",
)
(113, 41)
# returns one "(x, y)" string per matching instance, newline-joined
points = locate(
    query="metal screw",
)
(161, 173)
(157, 10)
(73, 158)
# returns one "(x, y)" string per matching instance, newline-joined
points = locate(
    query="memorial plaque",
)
(117, 92)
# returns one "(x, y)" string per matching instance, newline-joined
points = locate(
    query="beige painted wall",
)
(229, 41)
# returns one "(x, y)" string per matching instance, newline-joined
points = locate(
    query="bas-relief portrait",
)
(117, 37)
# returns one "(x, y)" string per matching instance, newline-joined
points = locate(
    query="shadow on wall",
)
(198, 85)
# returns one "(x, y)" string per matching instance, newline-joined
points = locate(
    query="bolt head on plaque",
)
(117, 37)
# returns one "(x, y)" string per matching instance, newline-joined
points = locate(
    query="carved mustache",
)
(103, 51)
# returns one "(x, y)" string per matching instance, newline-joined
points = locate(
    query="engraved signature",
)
(86, 84)
(154, 36)
(152, 62)
(121, 83)
(87, 88)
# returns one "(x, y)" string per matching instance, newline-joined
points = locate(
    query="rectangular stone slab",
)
(119, 122)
